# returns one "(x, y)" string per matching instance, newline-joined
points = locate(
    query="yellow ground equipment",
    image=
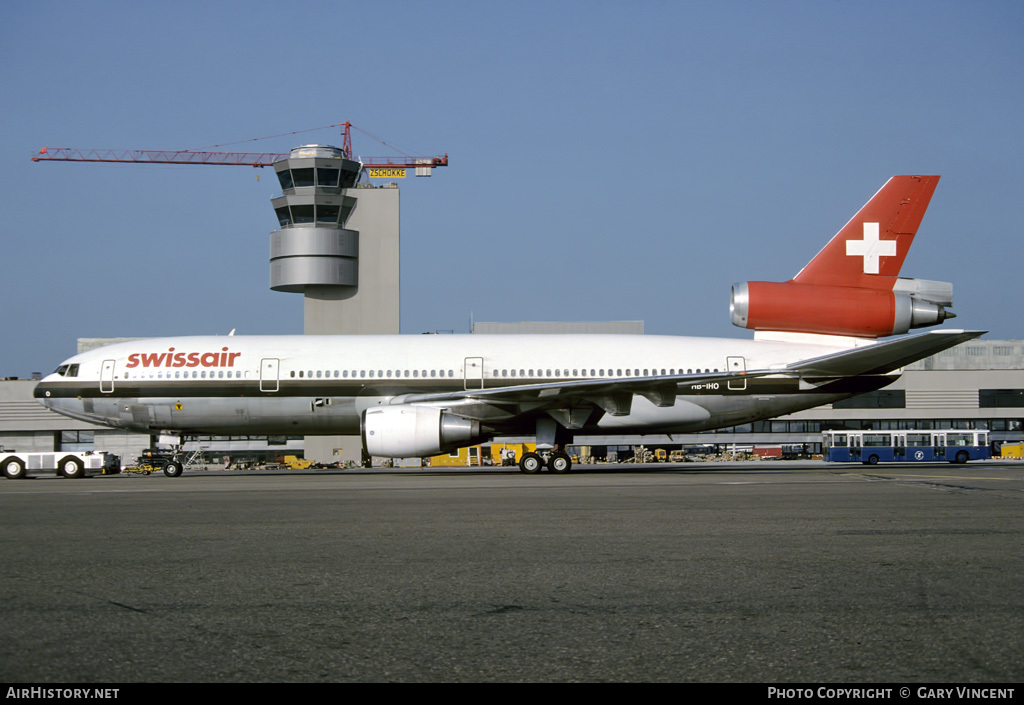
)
(1012, 450)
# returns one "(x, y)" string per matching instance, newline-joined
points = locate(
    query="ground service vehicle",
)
(157, 460)
(18, 465)
(871, 447)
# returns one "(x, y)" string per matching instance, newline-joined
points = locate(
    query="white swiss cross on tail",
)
(871, 248)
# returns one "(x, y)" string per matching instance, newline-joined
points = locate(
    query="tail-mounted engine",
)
(841, 310)
(414, 431)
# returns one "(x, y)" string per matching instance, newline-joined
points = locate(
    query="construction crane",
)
(253, 159)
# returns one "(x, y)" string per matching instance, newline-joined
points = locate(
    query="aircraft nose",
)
(45, 395)
(42, 394)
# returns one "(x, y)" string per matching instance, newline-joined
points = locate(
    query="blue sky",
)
(609, 160)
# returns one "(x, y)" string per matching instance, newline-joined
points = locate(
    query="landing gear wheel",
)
(530, 463)
(72, 468)
(173, 469)
(14, 469)
(559, 463)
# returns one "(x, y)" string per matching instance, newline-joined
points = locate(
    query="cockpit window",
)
(68, 370)
(61, 370)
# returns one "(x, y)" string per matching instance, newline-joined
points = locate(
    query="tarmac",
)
(771, 572)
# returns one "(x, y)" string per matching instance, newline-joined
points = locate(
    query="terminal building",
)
(976, 385)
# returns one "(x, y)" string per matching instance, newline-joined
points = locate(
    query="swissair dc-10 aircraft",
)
(420, 395)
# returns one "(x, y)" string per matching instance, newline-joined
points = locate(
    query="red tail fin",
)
(869, 251)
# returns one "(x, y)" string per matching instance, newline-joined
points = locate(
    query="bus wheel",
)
(961, 457)
(172, 469)
(72, 468)
(872, 460)
(14, 469)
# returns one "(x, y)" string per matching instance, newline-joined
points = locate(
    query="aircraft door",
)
(737, 364)
(473, 373)
(269, 374)
(107, 377)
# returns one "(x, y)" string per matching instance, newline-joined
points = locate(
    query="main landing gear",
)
(555, 461)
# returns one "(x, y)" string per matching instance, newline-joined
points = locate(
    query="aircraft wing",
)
(613, 395)
(881, 358)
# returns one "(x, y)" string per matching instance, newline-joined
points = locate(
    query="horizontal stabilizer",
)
(881, 358)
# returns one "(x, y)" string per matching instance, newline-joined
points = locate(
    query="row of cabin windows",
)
(362, 374)
(189, 374)
(618, 372)
(319, 374)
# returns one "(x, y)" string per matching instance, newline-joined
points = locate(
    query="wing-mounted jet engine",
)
(416, 431)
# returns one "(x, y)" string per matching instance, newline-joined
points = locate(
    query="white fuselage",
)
(322, 384)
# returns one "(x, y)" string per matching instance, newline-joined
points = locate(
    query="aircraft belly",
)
(219, 415)
(643, 413)
(709, 412)
(274, 415)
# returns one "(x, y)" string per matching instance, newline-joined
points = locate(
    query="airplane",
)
(815, 342)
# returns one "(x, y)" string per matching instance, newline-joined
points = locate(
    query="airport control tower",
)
(338, 244)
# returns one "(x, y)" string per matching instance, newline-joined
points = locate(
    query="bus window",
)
(959, 439)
